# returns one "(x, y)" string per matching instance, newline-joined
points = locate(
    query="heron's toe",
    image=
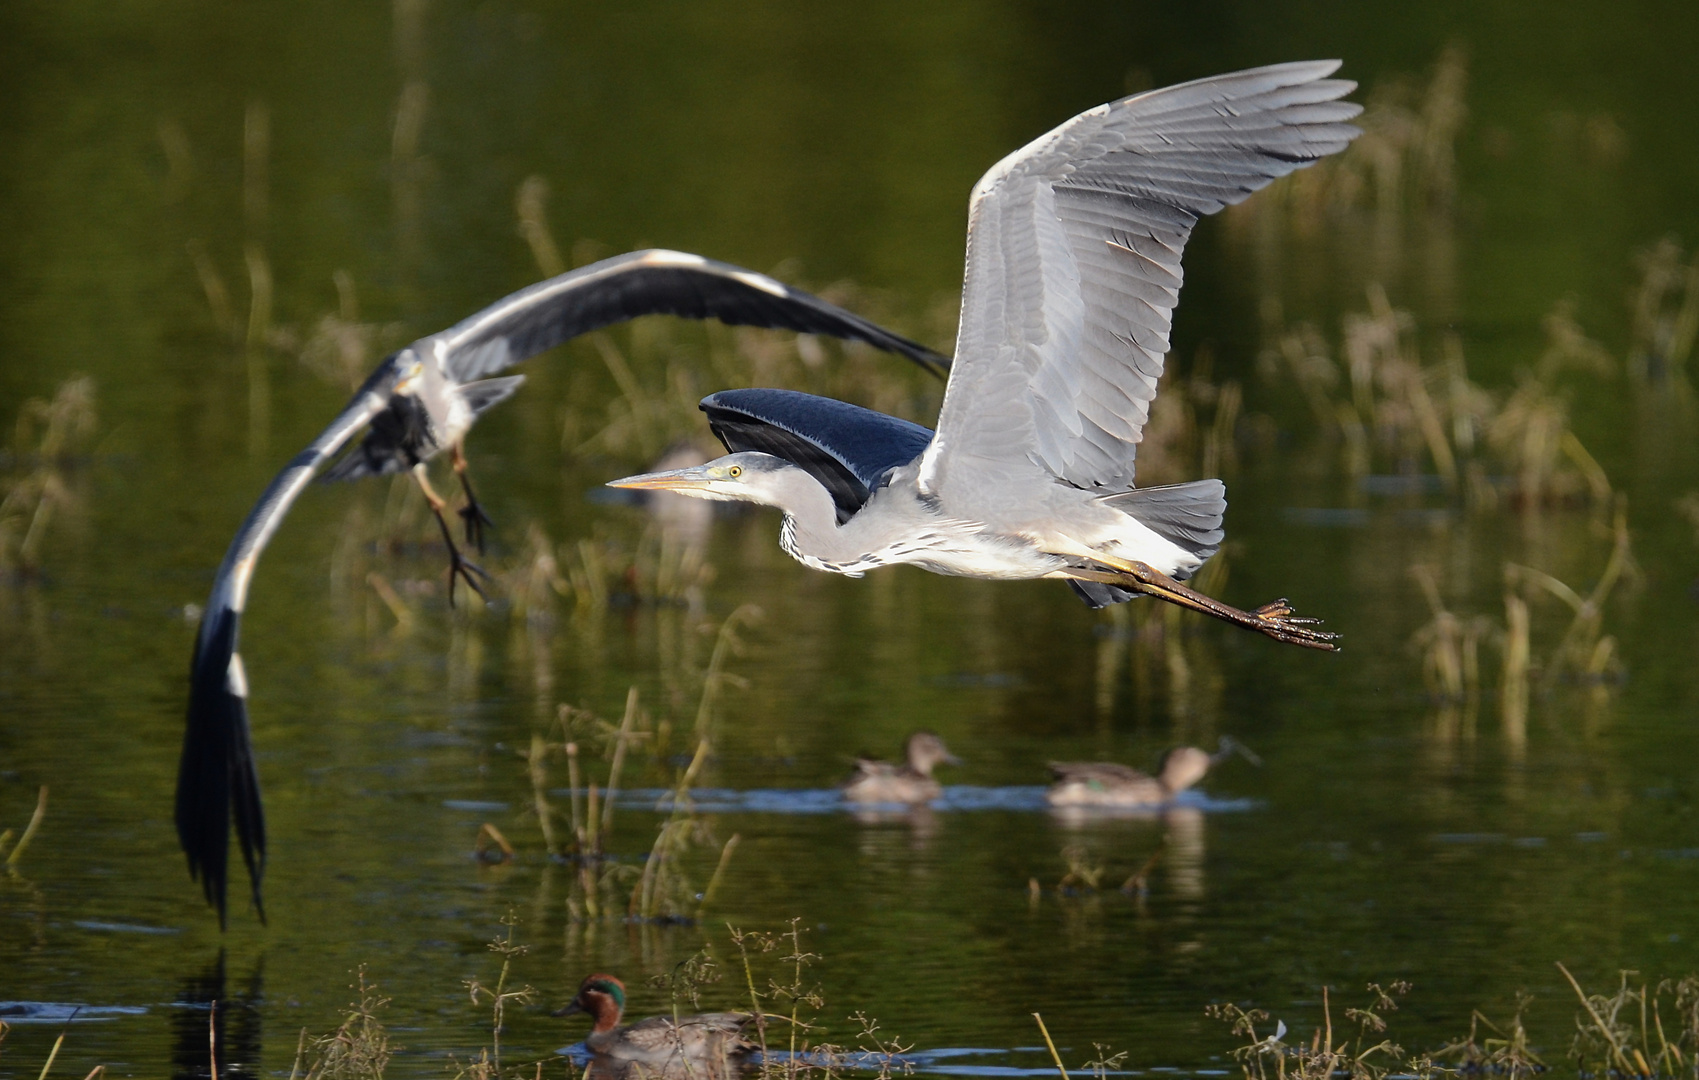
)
(1280, 622)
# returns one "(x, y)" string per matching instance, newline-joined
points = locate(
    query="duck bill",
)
(694, 479)
(568, 1009)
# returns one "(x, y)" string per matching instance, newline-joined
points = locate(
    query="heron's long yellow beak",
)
(677, 479)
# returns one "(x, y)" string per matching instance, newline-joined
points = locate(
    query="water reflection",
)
(234, 1019)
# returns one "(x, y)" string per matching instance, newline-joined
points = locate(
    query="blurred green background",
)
(222, 213)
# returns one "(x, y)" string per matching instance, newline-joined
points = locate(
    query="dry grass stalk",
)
(1450, 645)
(1508, 1054)
(359, 1049)
(1366, 1057)
(15, 853)
(34, 487)
(1665, 313)
(1402, 414)
(1623, 1033)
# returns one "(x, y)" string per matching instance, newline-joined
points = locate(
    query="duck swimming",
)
(1109, 783)
(911, 782)
(707, 1039)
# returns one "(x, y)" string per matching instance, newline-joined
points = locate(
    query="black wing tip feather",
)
(216, 772)
(832, 319)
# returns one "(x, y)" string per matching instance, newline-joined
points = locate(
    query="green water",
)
(1382, 839)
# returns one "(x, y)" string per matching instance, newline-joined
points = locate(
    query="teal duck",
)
(911, 782)
(706, 1038)
(1108, 783)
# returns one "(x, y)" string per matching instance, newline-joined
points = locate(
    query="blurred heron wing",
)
(1073, 268)
(653, 282)
(216, 778)
(847, 448)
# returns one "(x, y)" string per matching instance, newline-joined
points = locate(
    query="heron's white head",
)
(412, 371)
(745, 477)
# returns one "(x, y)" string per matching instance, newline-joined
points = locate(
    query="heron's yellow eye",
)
(735, 471)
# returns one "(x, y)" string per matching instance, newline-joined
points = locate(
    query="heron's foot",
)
(462, 568)
(474, 519)
(1278, 621)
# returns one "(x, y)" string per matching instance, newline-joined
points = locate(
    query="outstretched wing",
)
(847, 448)
(1073, 270)
(216, 775)
(655, 282)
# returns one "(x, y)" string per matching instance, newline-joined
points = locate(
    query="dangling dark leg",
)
(458, 566)
(1275, 619)
(471, 515)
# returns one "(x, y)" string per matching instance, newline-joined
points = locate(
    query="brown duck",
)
(1108, 783)
(911, 782)
(706, 1039)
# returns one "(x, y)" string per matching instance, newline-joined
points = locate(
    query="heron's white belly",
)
(958, 550)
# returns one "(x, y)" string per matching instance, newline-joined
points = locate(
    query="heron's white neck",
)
(811, 533)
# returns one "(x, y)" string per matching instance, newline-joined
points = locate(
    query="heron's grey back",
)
(1073, 269)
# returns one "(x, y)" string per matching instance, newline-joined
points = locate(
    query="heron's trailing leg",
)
(472, 514)
(458, 565)
(1276, 619)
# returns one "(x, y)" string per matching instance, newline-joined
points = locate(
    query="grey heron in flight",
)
(420, 401)
(1073, 269)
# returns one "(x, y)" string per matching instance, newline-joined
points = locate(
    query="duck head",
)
(1183, 767)
(926, 751)
(600, 996)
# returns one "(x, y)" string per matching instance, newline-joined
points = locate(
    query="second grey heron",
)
(1073, 269)
(420, 401)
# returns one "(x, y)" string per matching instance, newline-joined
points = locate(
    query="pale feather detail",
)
(1073, 271)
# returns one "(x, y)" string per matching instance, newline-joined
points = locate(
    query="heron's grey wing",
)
(847, 448)
(216, 777)
(653, 282)
(1073, 268)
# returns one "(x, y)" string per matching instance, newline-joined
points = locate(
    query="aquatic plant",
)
(1623, 1033)
(1394, 411)
(1449, 644)
(793, 998)
(34, 483)
(359, 1048)
(1664, 312)
(1507, 1052)
(14, 853)
(664, 891)
(487, 1066)
(1364, 1055)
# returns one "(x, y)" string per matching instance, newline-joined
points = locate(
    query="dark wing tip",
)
(216, 771)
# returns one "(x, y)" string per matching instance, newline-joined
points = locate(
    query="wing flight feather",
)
(655, 282)
(1073, 269)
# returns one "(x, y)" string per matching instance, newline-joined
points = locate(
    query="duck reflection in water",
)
(910, 783)
(707, 1046)
(1111, 784)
